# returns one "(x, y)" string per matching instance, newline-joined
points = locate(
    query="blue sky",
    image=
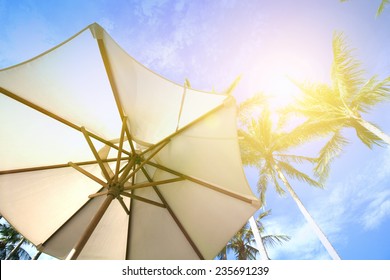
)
(213, 42)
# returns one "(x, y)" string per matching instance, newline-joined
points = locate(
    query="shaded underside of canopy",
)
(60, 106)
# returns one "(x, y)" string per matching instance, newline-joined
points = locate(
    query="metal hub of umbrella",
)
(171, 186)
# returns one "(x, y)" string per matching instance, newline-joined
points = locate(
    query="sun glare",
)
(276, 82)
(275, 78)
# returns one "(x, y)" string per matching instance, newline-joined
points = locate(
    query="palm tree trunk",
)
(15, 249)
(37, 255)
(373, 129)
(259, 240)
(321, 236)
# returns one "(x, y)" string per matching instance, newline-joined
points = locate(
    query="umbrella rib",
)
(207, 185)
(66, 222)
(95, 153)
(130, 139)
(181, 106)
(174, 217)
(114, 88)
(120, 199)
(89, 175)
(127, 169)
(98, 194)
(127, 186)
(121, 140)
(140, 198)
(48, 167)
(75, 252)
(123, 168)
(56, 117)
(161, 145)
(180, 130)
(107, 66)
(128, 237)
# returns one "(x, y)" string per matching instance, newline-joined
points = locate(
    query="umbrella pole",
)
(75, 252)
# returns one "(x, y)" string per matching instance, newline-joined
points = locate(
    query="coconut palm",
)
(10, 244)
(242, 241)
(330, 108)
(246, 111)
(267, 150)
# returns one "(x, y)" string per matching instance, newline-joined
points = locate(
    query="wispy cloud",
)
(366, 197)
(362, 199)
(107, 24)
(303, 244)
(377, 211)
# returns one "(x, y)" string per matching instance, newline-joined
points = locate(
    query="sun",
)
(276, 82)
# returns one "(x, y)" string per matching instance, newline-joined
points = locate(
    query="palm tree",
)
(10, 244)
(246, 110)
(330, 108)
(241, 243)
(267, 150)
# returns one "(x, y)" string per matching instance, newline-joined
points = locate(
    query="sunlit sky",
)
(212, 43)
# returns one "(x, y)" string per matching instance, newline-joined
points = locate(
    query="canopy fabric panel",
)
(209, 149)
(38, 203)
(155, 106)
(30, 139)
(89, 134)
(70, 81)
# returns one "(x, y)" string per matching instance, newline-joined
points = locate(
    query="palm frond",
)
(366, 136)
(233, 85)
(317, 97)
(251, 107)
(259, 224)
(275, 240)
(21, 254)
(248, 254)
(277, 186)
(248, 157)
(262, 185)
(311, 129)
(346, 70)
(295, 158)
(296, 174)
(381, 7)
(265, 128)
(187, 83)
(267, 176)
(261, 216)
(241, 243)
(329, 151)
(222, 255)
(372, 93)
(251, 148)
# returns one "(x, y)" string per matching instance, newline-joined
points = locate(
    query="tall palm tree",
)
(330, 108)
(242, 241)
(246, 111)
(10, 244)
(267, 150)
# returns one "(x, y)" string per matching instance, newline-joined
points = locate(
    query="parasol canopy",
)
(100, 158)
